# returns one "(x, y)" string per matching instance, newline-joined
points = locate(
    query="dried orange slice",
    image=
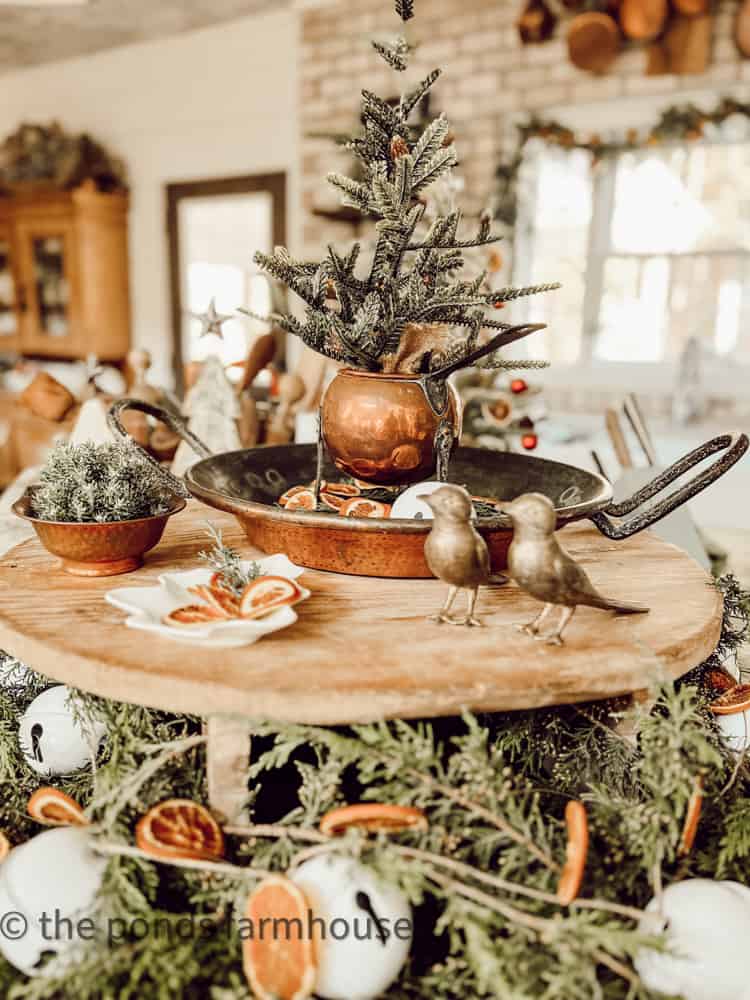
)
(291, 492)
(692, 819)
(193, 614)
(736, 699)
(343, 489)
(333, 500)
(4, 847)
(362, 507)
(279, 962)
(180, 828)
(214, 598)
(575, 856)
(266, 594)
(303, 500)
(375, 817)
(720, 679)
(226, 600)
(52, 807)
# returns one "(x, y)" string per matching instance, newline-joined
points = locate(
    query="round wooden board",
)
(363, 648)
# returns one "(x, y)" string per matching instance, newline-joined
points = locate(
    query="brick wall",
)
(489, 77)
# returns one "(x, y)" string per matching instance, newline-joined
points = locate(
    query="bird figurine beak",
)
(425, 498)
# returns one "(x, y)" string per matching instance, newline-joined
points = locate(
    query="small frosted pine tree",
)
(413, 280)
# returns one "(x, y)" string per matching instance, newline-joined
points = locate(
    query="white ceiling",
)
(31, 34)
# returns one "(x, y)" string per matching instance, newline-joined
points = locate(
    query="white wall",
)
(213, 103)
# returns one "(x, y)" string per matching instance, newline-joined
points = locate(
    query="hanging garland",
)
(525, 845)
(677, 123)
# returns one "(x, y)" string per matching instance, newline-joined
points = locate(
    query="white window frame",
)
(721, 377)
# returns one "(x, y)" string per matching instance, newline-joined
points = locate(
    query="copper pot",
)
(95, 548)
(382, 428)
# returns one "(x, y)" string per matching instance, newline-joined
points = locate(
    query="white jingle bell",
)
(47, 887)
(736, 728)
(51, 739)
(367, 927)
(707, 926)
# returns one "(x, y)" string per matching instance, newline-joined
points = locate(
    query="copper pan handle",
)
(175, 422)
(734, 447)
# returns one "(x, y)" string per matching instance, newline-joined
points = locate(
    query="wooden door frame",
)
(274, 184)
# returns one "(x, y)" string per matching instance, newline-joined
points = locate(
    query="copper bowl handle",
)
(175, 421)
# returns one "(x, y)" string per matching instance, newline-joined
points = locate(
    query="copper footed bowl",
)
(105, 548)
(382, 428)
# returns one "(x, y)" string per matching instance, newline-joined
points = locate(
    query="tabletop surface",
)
(363, 648)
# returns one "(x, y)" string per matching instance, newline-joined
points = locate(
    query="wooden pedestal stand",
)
(363, 648)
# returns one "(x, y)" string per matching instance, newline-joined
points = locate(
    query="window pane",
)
(556, 216)
(633, 321)
(651, 307)
(683, 199)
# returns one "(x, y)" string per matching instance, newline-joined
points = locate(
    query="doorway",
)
(214, 228)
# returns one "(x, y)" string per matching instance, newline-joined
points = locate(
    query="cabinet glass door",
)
(9, 326)
(51, 286)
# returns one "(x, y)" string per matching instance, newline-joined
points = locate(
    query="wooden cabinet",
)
(64, 274)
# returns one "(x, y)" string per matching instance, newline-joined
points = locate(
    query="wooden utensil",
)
(742, 29)
(593, 41)
(635, 418)
(616, 436)
(643, 20)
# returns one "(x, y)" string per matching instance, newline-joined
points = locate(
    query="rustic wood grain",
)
(363, 648)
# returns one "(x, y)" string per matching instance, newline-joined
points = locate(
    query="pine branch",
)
(395, 53)
(405, 9)
(511, 294)
(410, 101)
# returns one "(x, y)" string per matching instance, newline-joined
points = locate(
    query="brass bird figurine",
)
(454, 551)
(540, 566)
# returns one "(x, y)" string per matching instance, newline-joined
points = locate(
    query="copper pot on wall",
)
(398, 428)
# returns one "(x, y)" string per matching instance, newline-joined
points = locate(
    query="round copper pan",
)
(248, 483)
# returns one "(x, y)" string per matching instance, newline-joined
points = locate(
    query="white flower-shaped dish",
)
(147, 606)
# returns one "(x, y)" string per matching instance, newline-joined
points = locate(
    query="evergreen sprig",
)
(405, 9)
(361, 318)
(98, 482)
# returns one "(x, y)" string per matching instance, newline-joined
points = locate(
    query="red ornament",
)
(519, 385)
(529, 441)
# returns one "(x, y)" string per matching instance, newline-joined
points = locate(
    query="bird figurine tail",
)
(620, 607)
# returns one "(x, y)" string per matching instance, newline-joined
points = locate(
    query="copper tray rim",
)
(397, 525)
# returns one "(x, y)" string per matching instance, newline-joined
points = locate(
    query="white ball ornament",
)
(51, 740)
(48, 886)
(707, 926)
(368, 927)
(736, 729)
(408, 504)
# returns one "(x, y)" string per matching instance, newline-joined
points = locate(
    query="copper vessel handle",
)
(734, 447)
(175, 422)
(502, 339)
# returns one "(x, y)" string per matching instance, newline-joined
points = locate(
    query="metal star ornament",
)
(211, 321)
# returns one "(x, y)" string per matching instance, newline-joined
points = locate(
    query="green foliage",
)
(98, 482)
(482, 877)
(359, 318)
(227, 561)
